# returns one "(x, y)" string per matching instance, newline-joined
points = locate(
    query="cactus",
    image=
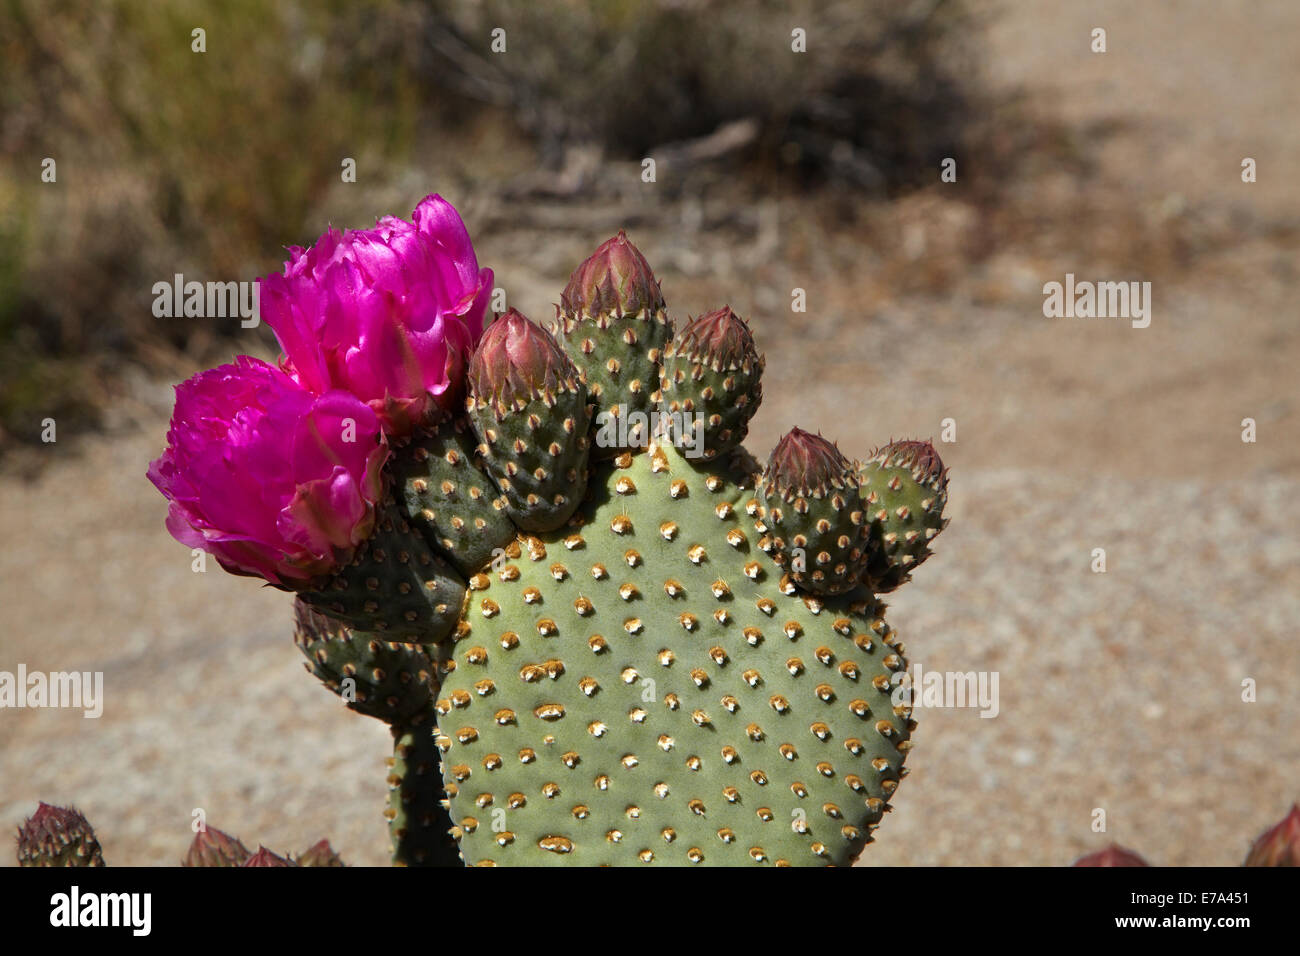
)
(1279, 845)
(1113, 855)
(529, 408)
(212, 847)
(600, 630)
(264, 857)
(319, 854)
(634, 680)
(811, 514)
(613, 323)
(395, 683)
(58, 836)
(904, 487)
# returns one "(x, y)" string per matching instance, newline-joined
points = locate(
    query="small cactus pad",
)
(712, 369)
(811, 514)
(640, 686)
(613, 324)
(529, 407)
(390, 681)
(397, 586)
(212, 847)
(58, 836)
(904, 488)
(449, 499)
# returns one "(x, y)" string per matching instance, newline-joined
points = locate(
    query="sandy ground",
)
(1120, 691)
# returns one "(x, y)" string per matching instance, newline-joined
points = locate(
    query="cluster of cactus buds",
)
(61, 836)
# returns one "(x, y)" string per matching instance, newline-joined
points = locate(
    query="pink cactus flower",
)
(269, 478)
(390, 314)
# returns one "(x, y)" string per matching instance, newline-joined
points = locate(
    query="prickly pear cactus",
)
(600, 631)
(674, 655)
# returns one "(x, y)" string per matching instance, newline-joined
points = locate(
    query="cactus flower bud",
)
(1113, 855)
(904, 488)
(1280, 845)
(720, 338)
(319, 854)
(529, 405)
(805, 464)
(612, 322)
(516, 361)
(811, 514)
(58, 836)
(264, 857)
(389, 314)
(212, 847)
(614, 280)
(711, 383)
(270, 479)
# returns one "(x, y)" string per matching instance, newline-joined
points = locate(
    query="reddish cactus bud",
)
(264, 857)
(212, 847)
(58, 836)
(1279, 846)
(720, 339)
(712, 376)
(319, 854)
(806, 464)
(516, 361)
(1113, 855)
(811, 514)
(917, 456)
(614, 280)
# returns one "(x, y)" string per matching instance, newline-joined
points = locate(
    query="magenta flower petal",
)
(389, 314)
(268, 477)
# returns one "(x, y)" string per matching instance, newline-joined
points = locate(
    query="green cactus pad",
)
(642, 685)
(391, 681)
(904, 487)
(712, 369)
(397, 586)
(449, 499)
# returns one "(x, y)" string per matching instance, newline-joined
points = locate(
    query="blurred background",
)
(774, 170)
